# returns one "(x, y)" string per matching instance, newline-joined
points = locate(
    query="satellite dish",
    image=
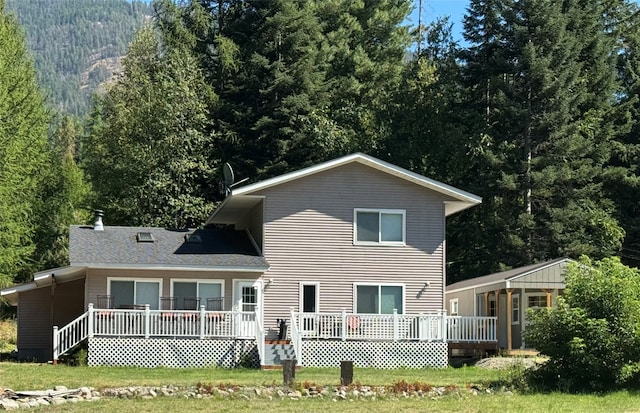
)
(229, 178)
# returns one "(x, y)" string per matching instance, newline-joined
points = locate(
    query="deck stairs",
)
(276, 351)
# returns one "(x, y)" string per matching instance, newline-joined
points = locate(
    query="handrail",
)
(393, 327)
(296, 338)
(67, 337)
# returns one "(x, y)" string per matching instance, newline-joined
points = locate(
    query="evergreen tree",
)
(544, 90)
(23, 138)
(150, 152)
(64, 196)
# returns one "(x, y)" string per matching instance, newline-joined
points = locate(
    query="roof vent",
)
(97, 220)
(144, 237)
(193, 239)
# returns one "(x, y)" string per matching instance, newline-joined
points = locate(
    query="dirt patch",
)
(503, 363)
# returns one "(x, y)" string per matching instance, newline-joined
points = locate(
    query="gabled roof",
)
(118, 247)
(244, 197)
(505, 278)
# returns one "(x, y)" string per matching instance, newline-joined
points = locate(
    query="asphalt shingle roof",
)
(119, 246)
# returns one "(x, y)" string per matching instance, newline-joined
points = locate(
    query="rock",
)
(57, 400)
(60, 388)
(9, 404)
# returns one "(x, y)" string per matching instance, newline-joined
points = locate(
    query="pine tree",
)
(544, 89)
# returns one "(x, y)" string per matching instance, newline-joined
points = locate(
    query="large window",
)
(379, 299)
(191, 294)
(385, 226)
(128, 293)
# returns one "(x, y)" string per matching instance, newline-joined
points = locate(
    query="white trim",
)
(380, 212)
(374, 284)
(301, 285)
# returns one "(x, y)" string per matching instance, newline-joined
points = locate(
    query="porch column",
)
(509, 341)
(548, 294)
(486, 303)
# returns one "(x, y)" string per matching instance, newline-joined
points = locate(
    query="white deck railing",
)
(155, 323)
(392, 327)
(471, 329)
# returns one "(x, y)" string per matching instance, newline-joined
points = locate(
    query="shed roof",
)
(504, 279)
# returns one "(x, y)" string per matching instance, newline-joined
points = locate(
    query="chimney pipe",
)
(97, 223)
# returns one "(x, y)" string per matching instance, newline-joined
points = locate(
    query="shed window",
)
(379, 299)
(453, 306)
(515, 309)
(382, 227)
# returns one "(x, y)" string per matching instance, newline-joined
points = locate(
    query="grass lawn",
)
(25, 376)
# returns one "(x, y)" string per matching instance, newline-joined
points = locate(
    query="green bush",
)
(592, 336)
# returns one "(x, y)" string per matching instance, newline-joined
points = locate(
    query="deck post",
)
(343, 332)
(147, 320)
(396, 333)
(443, 325)
(55, 344)
(202, 322)
(90, 321)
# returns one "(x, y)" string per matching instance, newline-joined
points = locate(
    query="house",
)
(344, 259)
(507, 295)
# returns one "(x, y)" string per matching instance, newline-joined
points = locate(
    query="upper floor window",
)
(383, 226)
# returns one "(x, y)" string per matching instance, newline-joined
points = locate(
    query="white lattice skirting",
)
(376, 354)
(175, 353)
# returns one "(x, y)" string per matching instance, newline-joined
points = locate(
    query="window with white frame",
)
(379, 226)
(453, 306)
(515, 309)
(194, 293)
(127, 293)
(379, 299)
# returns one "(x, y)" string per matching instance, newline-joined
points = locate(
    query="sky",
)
(433, 9)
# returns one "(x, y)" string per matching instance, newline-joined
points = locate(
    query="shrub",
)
(592, 336)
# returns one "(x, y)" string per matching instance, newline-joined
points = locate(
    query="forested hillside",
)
(77, 44)
(537, 113)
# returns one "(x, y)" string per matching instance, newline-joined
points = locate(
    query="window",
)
(379, 299)
(379, 226)
(453, 306)
(492, 307)
(515, 309)
(534, 301)
(209, 293)
(127, 292)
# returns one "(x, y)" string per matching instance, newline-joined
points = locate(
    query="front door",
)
(308, 307)
(246, 299)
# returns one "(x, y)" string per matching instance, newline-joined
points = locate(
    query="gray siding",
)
(35, 329)
(97, 280)
(68, 302)
(309, 237)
